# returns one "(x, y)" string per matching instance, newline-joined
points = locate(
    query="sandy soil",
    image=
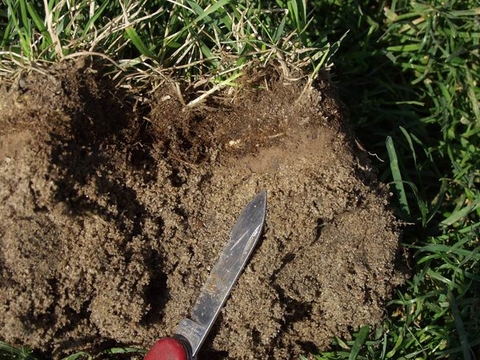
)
(113, 210)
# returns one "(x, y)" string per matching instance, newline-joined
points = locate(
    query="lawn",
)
(408, 72)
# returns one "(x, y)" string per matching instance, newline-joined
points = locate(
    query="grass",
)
(194, 39)
(409, 72)
(8, 352)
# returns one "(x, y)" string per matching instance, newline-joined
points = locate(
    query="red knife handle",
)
(170, 349)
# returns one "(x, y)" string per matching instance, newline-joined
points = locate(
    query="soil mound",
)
(113, 210)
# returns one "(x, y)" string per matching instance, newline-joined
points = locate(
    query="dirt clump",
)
(112, 213)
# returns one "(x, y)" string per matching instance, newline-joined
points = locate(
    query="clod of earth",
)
(112, 214)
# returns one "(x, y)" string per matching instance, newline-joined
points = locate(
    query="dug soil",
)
(114, 207)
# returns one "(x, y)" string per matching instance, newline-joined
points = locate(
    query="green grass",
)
(409, 72)
(9, 352)
(215, 39)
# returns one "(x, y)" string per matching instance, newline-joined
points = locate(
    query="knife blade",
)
(191, 332)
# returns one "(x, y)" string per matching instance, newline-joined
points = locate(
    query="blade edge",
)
(225, 273)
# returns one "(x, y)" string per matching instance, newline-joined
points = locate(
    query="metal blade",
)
(224, 274)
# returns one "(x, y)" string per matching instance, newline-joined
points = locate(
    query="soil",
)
(114, 207)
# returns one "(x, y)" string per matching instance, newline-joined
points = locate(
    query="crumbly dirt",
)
(114, 208)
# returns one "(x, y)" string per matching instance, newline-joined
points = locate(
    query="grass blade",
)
(78, 355)
(461, 214)
(359, 341)
(9, 352)
(459, 325)
(397, 176)
(138, 42)
(38, 23)
(94, 18)
(124, 350)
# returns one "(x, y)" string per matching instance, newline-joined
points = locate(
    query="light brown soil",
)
(112, 212)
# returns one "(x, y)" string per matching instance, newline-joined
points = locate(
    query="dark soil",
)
(113, 210)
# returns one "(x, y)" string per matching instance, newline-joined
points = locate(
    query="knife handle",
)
(170, 348)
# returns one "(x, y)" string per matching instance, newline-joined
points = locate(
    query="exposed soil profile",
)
(113, 210)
